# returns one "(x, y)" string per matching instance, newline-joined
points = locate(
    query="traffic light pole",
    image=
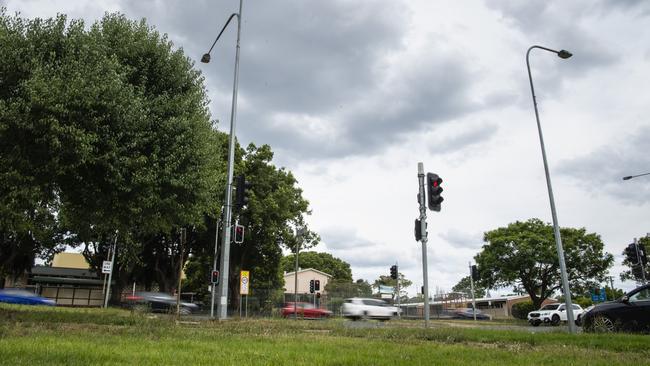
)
(423, 230)
(471, 282)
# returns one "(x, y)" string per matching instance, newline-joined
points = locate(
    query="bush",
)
(520, 310)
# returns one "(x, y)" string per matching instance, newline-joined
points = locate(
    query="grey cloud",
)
(315, 79)
(461, 239)
(602, 170)
(472, 136)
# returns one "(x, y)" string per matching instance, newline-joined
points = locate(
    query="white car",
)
(554, 314)
(360, 308)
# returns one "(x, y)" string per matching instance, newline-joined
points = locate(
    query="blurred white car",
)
(360, 308)
(554, 314)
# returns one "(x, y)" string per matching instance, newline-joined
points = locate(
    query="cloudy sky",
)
(351, 95)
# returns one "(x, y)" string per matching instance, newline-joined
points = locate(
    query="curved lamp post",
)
(634, 176)
(558, 239)
(222, 306)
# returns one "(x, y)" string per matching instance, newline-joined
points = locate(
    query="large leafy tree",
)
(524, 253)
(388, 281)
(634, 273)
(102, 130)
(464, 286)
(325, 262)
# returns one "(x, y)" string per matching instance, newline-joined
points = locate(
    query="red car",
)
(304, 310)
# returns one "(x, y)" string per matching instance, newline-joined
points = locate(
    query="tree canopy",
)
(524, 253)
(325, 262)
(464, 286)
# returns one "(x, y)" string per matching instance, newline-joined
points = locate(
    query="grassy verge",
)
(57, 336)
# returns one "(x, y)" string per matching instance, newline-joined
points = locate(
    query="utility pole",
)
(399, 309)
(639, 261)
(299, 234)
(110, 274)
(213, 287)
(180, 275)
(423, 232)
(471, 281)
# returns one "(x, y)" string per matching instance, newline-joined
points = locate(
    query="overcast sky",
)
(351, 95)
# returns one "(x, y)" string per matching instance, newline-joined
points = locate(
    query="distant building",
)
(69, 281)
(498, 307)
(304, 276)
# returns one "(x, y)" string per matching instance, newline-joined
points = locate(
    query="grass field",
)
(64, 336)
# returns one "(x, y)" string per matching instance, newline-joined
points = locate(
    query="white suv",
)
(554, 314)
(359, 308)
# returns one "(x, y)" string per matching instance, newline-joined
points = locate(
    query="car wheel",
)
(602, 324)
(185, 311)
(536, 323)
(555, 320)
(365, 315)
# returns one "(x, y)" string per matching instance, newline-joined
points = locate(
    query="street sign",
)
(107, 266)
(244, 282)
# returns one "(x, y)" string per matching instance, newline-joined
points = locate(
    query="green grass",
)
(60, 336)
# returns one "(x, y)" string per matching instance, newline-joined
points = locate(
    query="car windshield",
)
(550, 307)
(373, 302)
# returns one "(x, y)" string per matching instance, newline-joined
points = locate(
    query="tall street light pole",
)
(222, 306)
(634, 176)
(563, 54)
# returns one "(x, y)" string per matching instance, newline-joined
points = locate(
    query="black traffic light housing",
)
(241, 188)
(311, 286)
(393, 272)
(418, 230)
(214, 278)
(433, 191)
(475, 276)
(317, 285)
(239, 234)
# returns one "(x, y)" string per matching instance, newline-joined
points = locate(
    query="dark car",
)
(468, 313)
(629, 313)
(158, 302)
(23, 297)
(304, 310)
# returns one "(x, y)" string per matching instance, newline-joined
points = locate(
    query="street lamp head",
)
(206, 58)
(627, 178)
(564, 54)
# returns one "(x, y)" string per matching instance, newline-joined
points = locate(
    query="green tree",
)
(464, 286)
(388, 281)
(523, 253)
(325, 262)
(634, 272)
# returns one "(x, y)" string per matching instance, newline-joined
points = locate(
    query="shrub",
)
(520, 310)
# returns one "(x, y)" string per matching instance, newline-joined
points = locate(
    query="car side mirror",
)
(625, 299)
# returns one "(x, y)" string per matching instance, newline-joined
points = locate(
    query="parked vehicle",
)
(629, 313)
(158, 302)
(468, 313)
(359, 308)
(304, 310)
(24, 297)
(554, 314)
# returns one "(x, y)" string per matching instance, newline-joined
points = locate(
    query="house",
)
(305, 276)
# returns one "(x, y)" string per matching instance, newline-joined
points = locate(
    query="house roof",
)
(308, 270)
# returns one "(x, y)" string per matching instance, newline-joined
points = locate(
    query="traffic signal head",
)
(311, 286)
(475, 276)
(433, 191)
(643, 254)
(317, 285)
(418, 230)
(241, 194)
(393, 272)
(239, 234)
(214, 278)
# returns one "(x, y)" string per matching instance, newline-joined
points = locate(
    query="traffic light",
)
(317, 285)
(241, 194)
(239, 234)
(433, 191)
(393, 272)
(215, 277)
(631, 254)
(475, 272)
(318, 295)
(311, 286)
(418, 230)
